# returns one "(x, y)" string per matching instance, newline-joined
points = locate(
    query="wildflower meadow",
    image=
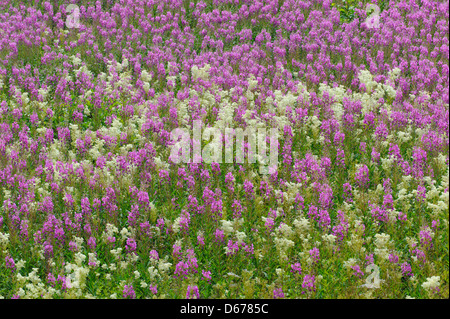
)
(224, 149)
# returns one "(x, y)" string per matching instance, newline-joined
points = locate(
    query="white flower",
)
(202, 73)
(78, 240)
(382, 253)
(145, 76)
(349, 263)
(4, 240)
(302, 225)
(176, 225)
(79, 258)
(285, 230)
(163, 266)
(283, 244)
(389, 90)
(330, 239)
(92, 258)
(240, 237)
(123, 264)
(153, 272)
(381, 240)
(125, 233)
(76, 61)
(232, 274)
(394, 73)
(171, 80)
(432, 283)
(227, 227)
(252, 82)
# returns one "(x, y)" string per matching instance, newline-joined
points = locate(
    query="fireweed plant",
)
(92, 207)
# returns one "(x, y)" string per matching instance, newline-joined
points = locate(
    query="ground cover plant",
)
(91, 206)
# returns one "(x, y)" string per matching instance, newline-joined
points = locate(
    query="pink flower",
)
(309, 283)
(296, 268)
(206, 275)
(128, 292)
(192, 292)
(278, 293)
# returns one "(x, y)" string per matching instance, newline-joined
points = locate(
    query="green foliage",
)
(347, 8)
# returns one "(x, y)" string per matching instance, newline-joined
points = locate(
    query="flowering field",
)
(92, 206)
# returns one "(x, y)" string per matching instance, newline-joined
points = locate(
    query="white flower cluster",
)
(92, 258)
(230, 227)
(338, 94)
(77, 274)
(163, 265)
(329, 239)
(366, 78)
(83, 70)
(160, 164)
(382, 242)
(356, 243)
(348, 264)
(432, 284)
(282, 238)
(122, 66)
(116, 252)
(145, 76)
(303, 91)
(252, 82)
(292, 191)
(153, 272)
(4, 240)
(369, 99)
(314, 124)
(394, 73)
(125, 233)
(240, 236)
(226, 113)
(283, 245)
(110, 230)
(283, 101)
(182, 112)
(33, 287)
(227, 227)
(302, 225)
(161, 269)
(202, 73)
(284, 230)
(79, 241)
